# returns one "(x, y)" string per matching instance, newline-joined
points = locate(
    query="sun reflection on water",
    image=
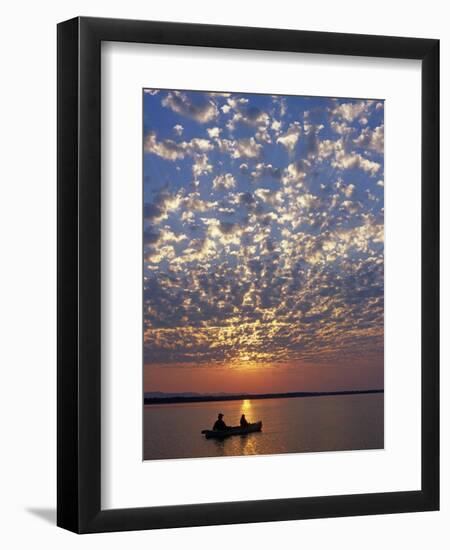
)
(246, 406)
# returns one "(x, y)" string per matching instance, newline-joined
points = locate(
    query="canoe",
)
(233, 430)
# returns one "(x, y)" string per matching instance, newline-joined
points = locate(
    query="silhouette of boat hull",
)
(234, 430)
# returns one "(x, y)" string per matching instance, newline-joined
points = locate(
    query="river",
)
(290, 425)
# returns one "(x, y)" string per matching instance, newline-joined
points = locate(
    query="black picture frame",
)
(79, 277)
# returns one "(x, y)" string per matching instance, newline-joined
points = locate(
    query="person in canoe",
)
(243, 422)
(219, 424)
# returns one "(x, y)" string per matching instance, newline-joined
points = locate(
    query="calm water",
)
(290, 425)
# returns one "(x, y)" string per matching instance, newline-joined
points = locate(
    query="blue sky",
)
(263, 231)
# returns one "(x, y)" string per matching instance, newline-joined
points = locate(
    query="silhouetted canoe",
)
(234, 430)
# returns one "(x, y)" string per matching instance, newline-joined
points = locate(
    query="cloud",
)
(295, 172)
(248, 115)
(219, 94)
(276, 125)
(345, 161)
(234, 102)
(251, 116)
(240, 148)
(197, 145)
(201, 165)
(171, 150)
(264, 170)
(214, 132)
(308, 201)
(223, 232)
(262, 134)
(371, 139)
(348, 190)
(269, 196)
(247, 148)
(290, 138)
(310, 128)
(350, 111)
(163, 204)
(194, 202)
(167, 149)
(179, 103)
(168, 236)
(224, 181)
(341, 128)
(187, 216)
(327, 147)
(178, 129)
(166, 252)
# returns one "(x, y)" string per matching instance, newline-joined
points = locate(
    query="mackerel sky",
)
(263, 234)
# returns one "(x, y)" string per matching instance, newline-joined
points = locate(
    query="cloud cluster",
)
(351, 110)
(172, 150)
(224, 181)
(371, 139)
(240, 148)
(263, 235)
(290, 138)
(180, 103)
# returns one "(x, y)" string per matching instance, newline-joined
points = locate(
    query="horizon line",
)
(174, 397)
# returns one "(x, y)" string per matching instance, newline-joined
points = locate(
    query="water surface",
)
(290, 425)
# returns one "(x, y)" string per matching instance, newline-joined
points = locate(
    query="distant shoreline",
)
(240, 397)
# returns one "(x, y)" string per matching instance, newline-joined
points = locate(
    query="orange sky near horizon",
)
(265, 379)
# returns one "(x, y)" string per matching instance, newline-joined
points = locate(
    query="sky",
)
(263, 242)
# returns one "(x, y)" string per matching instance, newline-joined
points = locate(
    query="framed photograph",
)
(248, 259)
